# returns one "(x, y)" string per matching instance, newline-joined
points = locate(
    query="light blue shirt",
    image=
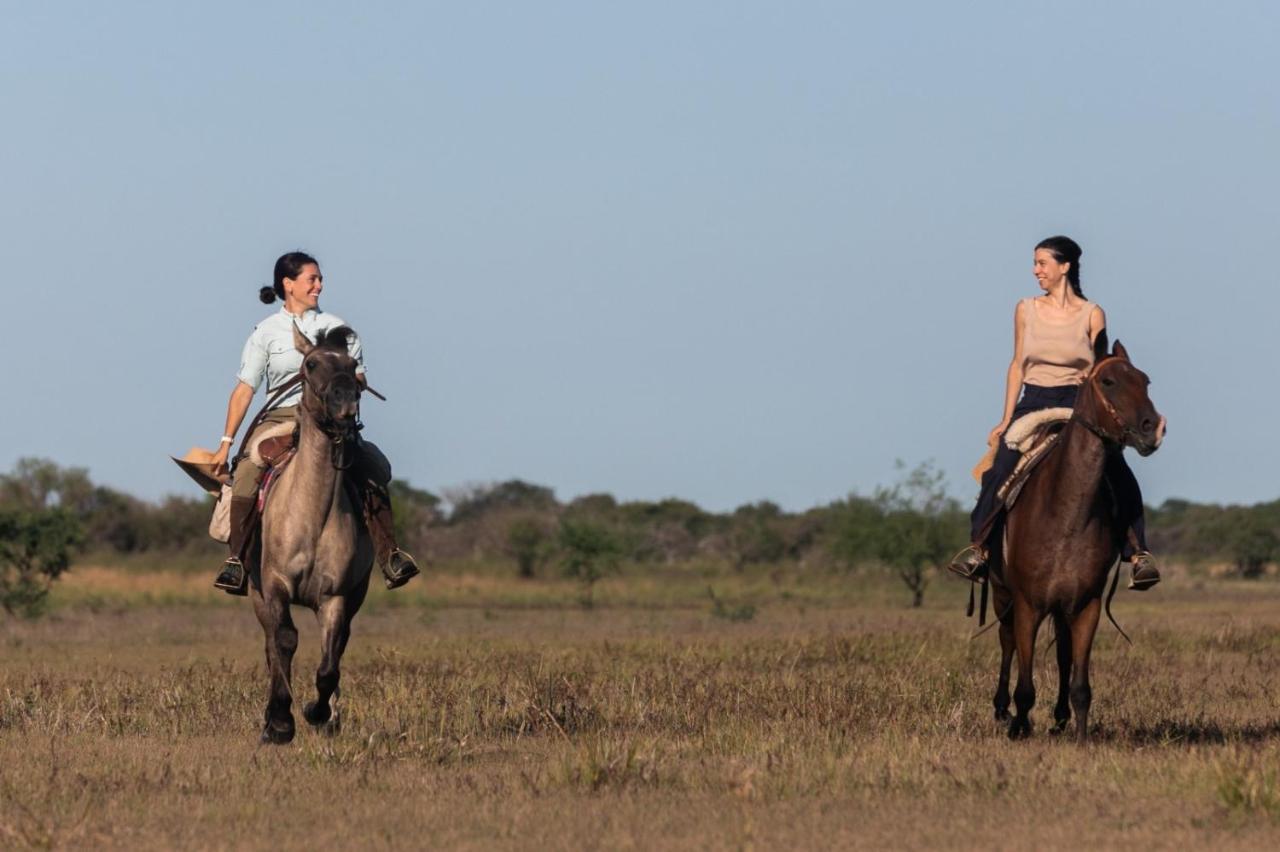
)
(270, 352)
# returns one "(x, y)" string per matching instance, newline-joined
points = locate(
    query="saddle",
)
(272, 451)
(1033, 435)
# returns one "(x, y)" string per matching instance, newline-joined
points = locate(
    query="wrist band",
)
(227, 439)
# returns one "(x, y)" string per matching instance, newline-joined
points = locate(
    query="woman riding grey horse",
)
(270, 353)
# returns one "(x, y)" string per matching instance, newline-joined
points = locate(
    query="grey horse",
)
(316, 550)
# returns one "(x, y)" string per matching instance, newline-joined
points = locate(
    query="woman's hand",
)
(997, 432)
(220, 459)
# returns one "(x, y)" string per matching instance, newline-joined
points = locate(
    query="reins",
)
(1107, 407)
(279, 394)
(338, 454)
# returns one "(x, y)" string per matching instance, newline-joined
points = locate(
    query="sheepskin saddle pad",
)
(272, 451)
(275, 441)
(1034, 435)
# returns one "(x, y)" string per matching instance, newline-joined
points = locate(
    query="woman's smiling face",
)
(304, 290)
(1048, 271)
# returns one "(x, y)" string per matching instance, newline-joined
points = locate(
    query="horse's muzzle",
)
(342, 402)
(1151, 438)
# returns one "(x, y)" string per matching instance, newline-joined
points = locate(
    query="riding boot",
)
(398, 566)
(1144, 573)
(970, 563)
(233, 579)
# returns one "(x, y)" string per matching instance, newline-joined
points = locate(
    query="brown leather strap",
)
(276, 397)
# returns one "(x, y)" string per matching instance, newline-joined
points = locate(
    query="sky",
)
(726, 251)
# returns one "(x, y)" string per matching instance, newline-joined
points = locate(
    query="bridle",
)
(344, 438)
(342, 441)
(1123, 430)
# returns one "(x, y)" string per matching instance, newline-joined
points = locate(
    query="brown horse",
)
(316, 550)
(1062, 537)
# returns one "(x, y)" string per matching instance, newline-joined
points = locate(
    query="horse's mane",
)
(338, 337)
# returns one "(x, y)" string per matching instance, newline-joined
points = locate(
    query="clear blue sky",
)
(724, 250)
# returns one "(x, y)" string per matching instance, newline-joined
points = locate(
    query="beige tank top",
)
(1056, 353)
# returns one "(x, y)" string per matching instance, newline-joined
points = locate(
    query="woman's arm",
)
(237, 407)
(1013, 381)
(1097, 323)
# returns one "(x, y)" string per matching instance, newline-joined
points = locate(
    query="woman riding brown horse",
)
(1054, 339)
(1062, 537)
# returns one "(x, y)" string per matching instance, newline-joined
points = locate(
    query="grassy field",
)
(485, 712)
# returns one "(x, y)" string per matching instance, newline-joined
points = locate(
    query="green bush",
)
(589, 549)
(35, 548)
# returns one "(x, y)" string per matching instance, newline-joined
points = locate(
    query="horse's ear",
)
(300, 341)
(1100, 346)
(1119, 351)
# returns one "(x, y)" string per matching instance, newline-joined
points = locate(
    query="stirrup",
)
(1144, 573)
(970, 563)
(233, 579)
(399, 569)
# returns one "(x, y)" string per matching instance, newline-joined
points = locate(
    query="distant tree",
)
(1253, 543)
(662, 531)
(598, 506)
(591, 549)
(415, 510)
(756, 534)
(478, 500)
(852, 526)
(913, 527)
(35, 548)
(38, 484)
(529, 543)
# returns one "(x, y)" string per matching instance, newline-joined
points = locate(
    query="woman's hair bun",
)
(267, 295)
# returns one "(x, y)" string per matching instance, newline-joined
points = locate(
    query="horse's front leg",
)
(1062, 710)
(1007, 646)
(1083, 630)
(272, 608)
(1026, 623)
(335, 630)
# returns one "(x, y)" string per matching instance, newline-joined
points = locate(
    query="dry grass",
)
(502, 716)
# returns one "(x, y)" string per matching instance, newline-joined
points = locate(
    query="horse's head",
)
(330, 389)
(1114, 403)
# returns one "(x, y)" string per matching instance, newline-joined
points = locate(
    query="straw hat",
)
(985, 463)
(198, 464)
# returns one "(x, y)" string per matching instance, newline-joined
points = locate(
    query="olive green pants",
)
(246, 475)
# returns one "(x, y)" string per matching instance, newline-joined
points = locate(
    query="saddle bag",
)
(220, 523)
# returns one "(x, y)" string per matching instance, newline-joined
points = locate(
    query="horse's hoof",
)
(315, 713)
(1003, 714)
(1019, 729)
(277, 734)
(1059, 725)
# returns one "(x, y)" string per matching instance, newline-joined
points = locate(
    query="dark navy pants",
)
(1128, 494)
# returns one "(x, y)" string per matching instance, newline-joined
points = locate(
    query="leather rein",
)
(340, 442)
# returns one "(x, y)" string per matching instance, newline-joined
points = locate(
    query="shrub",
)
(591, 549)
(35, 548)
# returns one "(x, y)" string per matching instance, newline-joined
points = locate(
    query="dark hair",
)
(1066, 250)
(288, 266)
